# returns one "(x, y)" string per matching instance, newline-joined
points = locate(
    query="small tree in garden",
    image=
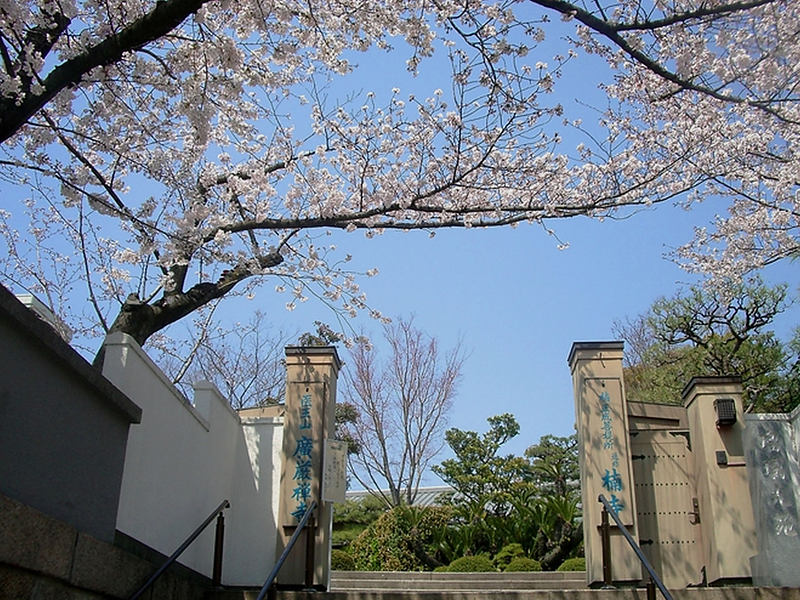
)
(554, 465)
(481, 477)
(401, 406)
(503, 500)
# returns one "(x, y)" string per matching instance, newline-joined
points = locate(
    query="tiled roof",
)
(426, 496)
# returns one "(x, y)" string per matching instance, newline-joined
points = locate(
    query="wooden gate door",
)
(666, 499)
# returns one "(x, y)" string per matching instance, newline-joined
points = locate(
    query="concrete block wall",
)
(63, 427)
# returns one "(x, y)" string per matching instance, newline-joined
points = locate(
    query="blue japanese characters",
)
(304, 470)
(612, 480)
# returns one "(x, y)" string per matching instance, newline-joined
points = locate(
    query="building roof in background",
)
(426, 496)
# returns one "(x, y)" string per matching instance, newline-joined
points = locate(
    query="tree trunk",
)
(419, 551)
(140, 320)
(568, 542)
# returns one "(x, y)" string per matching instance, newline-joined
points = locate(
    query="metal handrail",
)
(288, 549)
(225, 504)
(640, 555)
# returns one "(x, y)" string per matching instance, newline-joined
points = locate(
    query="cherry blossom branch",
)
(612, 32)
(87, 273)
(163, 18)
(691, 15)
(187, 361)
(7, 62)
(145, 229)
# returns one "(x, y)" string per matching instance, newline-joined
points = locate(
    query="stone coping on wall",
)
(123, 340)
(44, 335)
(790, 417)
(315, 351)
(721, 380)
(595, 347)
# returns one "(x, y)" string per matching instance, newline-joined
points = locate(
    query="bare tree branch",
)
(403, 407)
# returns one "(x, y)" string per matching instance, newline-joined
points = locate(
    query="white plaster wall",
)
(258, 496)
(182, 461)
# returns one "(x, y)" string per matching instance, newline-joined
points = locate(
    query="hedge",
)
(573, 564)
(472, 564)
(342, 561)
(522, 563)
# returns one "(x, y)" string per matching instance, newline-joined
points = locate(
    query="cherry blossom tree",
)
(188, 149)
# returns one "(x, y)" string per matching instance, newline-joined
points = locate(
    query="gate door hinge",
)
(694, 516)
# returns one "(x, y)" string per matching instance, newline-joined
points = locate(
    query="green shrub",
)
(573, 564)
(388, 543)
(381, 546)
(352, 517)
(507, 554)
(523, 563)
(442, 569)
(344, 534)
(472, 564)
(342, 561)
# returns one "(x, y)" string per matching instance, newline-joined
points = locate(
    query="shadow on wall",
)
(184, 459)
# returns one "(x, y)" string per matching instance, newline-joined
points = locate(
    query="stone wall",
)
(43, 557)
(772, 450)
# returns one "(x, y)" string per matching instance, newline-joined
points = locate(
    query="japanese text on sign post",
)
(612, 480)
(304, 470)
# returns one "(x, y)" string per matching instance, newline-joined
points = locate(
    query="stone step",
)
(720, 593)
(429, 575)
(345, 581)
(726, 593)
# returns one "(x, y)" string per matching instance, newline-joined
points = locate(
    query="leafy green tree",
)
(555, 470)
(352, 517)
(554, 465)
(478, 474)
(706, 332)
(502, 500)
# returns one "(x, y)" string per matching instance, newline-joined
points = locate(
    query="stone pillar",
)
(604, 455)
(773, 466)
(726, 513)
(311, 374)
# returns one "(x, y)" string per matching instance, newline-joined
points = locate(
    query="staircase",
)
(388, 581)
(394, 585)
(383, 585)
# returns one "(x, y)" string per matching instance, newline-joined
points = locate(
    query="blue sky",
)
(516, 300)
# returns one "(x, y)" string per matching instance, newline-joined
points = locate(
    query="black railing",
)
(605, 532)
(292, 541)
(216, 578)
